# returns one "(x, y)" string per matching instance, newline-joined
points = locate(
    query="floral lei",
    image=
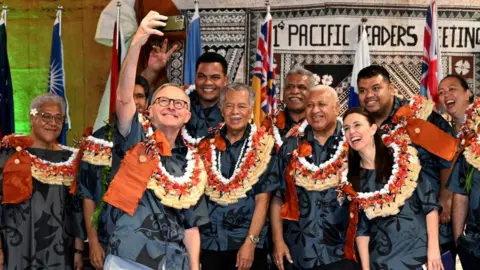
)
(47, 172)
(97, 151)
(177, 192)
(250, 167)
(470, 139)
(279, 123)
(324, 176)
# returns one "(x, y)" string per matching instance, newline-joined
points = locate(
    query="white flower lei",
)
(101, 142)
(241, 160)
(391, 180)
(69, 162)
(312, 167)
(190, 139)
(187, 176)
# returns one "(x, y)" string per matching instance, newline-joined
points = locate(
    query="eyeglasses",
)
(48, 117)
(177, 103)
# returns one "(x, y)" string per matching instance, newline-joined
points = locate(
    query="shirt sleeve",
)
(88, 181)
(76, 212)
(427, 196)
(270, 179)
(363, 226)
(196, 215)
(456, 181)
(134, 136)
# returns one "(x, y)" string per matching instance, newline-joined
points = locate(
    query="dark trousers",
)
(226, 260)
(469, 262)
(340, 265)
(449, 247)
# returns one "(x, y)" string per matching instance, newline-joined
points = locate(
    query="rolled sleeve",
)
(427, 196)
(363, 226)
(456, 180)
(197, 215)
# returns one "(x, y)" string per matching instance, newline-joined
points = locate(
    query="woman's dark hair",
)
(383, 157)
(463, 83)
(460, 79)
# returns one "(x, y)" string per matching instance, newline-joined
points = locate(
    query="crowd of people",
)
(183, 178)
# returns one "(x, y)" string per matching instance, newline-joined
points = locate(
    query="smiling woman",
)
(37, 177)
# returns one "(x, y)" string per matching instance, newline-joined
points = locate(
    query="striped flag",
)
(263, 82)
(362, 60)
(7, 121)
(107, 105)
(56, 79)
(431, 60)
(194, 47)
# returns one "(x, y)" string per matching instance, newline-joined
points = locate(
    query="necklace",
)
(250, 165)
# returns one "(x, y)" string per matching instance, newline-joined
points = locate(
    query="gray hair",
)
(302, 71)
(150, 98)
(38, 101)
(236, 87)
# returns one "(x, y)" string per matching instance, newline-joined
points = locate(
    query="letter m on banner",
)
(263, 82)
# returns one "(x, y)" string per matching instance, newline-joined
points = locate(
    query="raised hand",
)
(158, 58)
(147, 28)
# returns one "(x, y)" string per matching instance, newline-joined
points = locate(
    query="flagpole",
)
(59, 17)
(4, 14)
(119, 5)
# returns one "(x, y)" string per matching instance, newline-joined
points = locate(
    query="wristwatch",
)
(254, 239)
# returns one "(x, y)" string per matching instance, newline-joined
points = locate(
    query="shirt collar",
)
(310, 137)
(223, 133)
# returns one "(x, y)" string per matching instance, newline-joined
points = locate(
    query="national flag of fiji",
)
(56, 79)
(263, 82)
(7, 121)
(431, 60)
(194, 47)
(362, 60)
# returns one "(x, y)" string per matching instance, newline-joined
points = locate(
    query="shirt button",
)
(17, 161)
(19, 148)
(142, 159)
(417, 130)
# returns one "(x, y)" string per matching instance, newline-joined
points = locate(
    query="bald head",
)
(327, 90)
(170, 91)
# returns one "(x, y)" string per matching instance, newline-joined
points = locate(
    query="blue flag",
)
(7, 121)
(362, 60)
(56, 79)
(193, 49)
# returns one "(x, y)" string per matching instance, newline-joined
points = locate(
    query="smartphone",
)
(174, 23)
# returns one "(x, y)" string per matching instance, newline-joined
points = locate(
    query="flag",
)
(7, 121)
(56, 78)
(431, 60)
(107, 105)
(194, 47)
(362, 60)
(263, 82)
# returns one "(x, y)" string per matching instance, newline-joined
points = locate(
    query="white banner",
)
(397, 34)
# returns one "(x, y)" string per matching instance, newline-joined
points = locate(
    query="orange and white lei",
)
(97, 151)
(469, 135)
(324, 176)
(248, 169)
(180, 192)
(401, 184)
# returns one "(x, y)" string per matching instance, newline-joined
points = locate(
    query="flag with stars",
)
(56, 79)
